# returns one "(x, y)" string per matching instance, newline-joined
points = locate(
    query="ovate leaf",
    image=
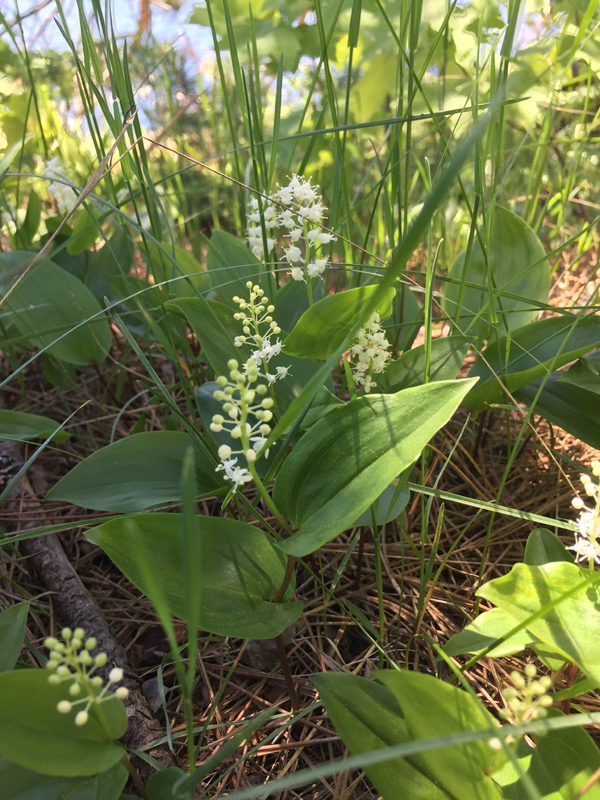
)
(34, 735)
(347, 458)
(512, 250)
(572, 626)
(322, 329)
(18, 426)
(572, 408)
(19, 783)
(543, 547)
(368, 717)
(241, 571)
(12, 632)
(486, 629)
(230, 264)
(48, 303)
(135, 473)
(529, 354)
(447, 357)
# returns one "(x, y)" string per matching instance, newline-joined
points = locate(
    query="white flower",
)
(286, 195)
(371, 351)
(295, 235)
(293, 254)
(320, 237)
(271, 378)
(282, 372)
(297, 274)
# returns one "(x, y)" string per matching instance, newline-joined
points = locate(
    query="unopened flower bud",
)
(115, 675)
(222, 380)
(100, 660)
(224, 451)
(79, 633)
(122, 692)
(50, 642)
(74, 689)
(66, 633)
(81, 718)
(267, 403)
(250, 455)
(91, 643)
(64, 707)
(54, 680)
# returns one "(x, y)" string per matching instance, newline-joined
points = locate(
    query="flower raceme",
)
(371, 353)
(586, 547)
(298, 210)
(71, 660)
(247, 411)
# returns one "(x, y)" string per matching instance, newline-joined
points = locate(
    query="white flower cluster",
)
(63, 195)
(255, 231)
(71, 660)
(586, 547)
(371, 352)
(301, 217)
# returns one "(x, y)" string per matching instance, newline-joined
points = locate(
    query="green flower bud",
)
(50, 642)
(100, 660)
(91, 643)
(81, 718)
(267, 403)
(66, 634)
(64, 707)
(222, 380)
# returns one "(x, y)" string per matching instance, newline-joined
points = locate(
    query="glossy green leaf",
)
(447, 357)
(571, 628)
(113, 260)
(399, 707)
(215, 329)
(585, 373)
(135, 473)
(346, 460)
(322, 329)
(486, 629)
(383, 512)
(434, 708)
(323, 403)
(185, 277)
(573, 409)
(368, 717)
(48, 303)
(162, 783)
(12, 632)
(85, 234)
(34, 735)
(291, 301)
(512, 249)
(529, 355)
(544, 547)
(19, 783)
(230, 264)
(241, 571)
(18, 426)
(560, 765)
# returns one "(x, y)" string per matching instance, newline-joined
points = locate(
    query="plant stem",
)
(267, 498)
(289, 572)
(285, 667)
(135, 776)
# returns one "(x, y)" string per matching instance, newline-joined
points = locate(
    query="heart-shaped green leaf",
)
(347, 458)
(572, 626)
(34, 735)
(135, 473)
(322, 329)
(241, 571)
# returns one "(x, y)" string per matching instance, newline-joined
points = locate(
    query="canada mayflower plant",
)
(526, 700)
(71, 660)
(586, 547)
(247, 410)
